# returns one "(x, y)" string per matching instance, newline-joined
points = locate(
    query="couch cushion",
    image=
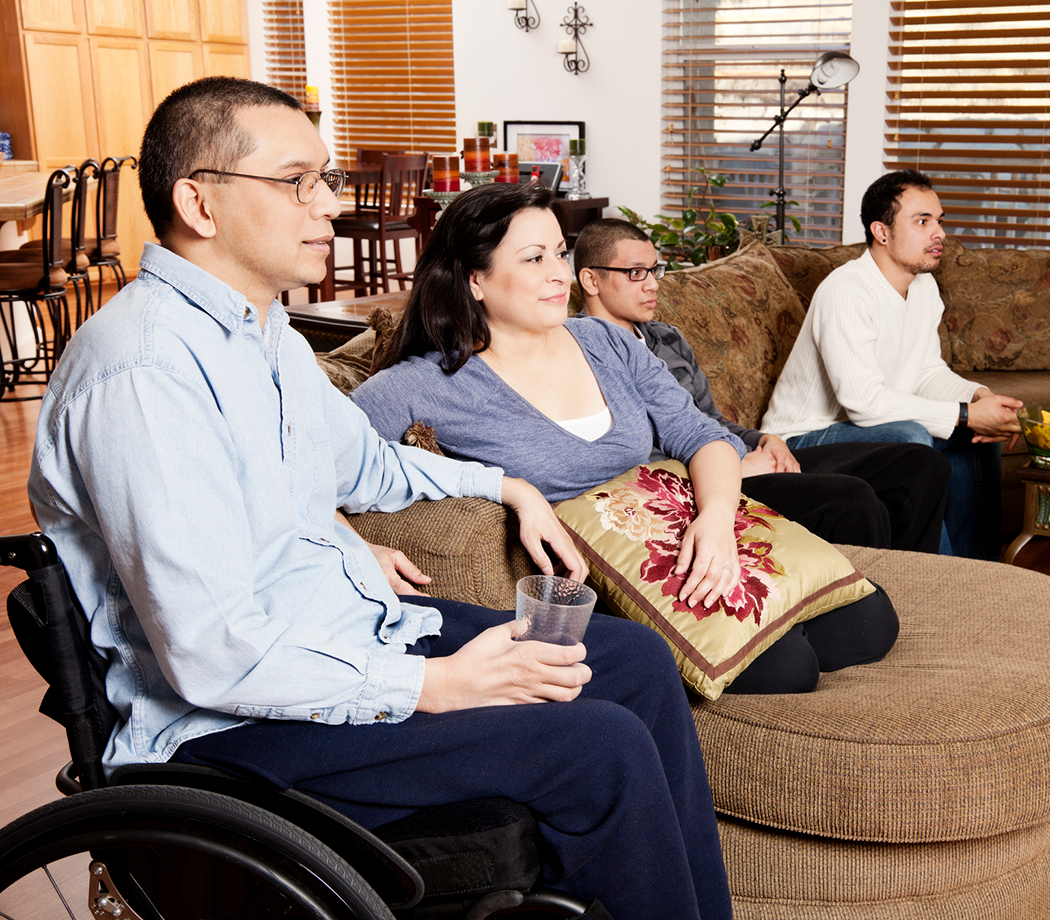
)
(997, 307)
(947, 738)
(741, 317)
(805, 268)
(630, 530)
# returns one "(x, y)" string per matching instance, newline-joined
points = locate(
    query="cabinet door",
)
(173, 64)
(63, 106)
(123, 97)
(224, 21)
(115, 17)
(52, 15)
(176, 20)
(227, 61)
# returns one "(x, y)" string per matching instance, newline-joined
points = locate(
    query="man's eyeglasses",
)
(306, 185)
(635, 274)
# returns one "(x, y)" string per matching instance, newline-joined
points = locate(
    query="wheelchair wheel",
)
(171, 853)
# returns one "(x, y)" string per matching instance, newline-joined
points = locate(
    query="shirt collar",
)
(226, 306)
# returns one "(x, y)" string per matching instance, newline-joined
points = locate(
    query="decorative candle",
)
(486, 129)
(507, 164)
(313, 99)
(446, 172)
(476, 154)
(567, 46)
(516, 4)
(577, 147)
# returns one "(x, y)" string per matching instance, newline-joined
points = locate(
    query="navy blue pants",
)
(616, 777)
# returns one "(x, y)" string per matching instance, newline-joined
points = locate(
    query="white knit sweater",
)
(868, 356)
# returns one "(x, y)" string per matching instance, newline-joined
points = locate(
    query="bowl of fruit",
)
(1035, 425)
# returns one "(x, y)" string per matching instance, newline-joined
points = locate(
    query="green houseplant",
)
(699, 235)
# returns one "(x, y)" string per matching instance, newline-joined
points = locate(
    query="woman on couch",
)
(485, 355)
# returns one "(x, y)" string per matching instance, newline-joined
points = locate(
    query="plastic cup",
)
(553, 609)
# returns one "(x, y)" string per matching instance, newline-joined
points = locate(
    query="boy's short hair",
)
(596, 244)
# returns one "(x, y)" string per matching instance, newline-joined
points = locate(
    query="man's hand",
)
(397, 567)
(994, 418)
(539, 523)
(494, 670)
(771, 456)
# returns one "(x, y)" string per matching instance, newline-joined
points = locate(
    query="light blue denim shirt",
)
(188, 466)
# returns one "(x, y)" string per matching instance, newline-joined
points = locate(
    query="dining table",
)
(22, 194)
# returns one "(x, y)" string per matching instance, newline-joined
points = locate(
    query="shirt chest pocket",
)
(310, 463)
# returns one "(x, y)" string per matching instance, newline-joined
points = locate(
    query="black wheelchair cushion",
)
(468, 847)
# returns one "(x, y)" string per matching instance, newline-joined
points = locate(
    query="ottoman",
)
(916, 787)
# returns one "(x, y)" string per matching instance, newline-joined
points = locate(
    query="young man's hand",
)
(993, 417)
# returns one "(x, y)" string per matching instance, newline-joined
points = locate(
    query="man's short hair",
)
(596, 244)
(882, 200)
(196, 128)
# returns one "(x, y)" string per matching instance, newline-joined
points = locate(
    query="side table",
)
(1036, 509)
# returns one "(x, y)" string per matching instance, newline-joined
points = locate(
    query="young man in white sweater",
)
(867, 365)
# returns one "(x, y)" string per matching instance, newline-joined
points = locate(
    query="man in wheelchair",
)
(190, 456)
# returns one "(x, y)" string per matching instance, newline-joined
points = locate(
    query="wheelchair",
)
(175, 842)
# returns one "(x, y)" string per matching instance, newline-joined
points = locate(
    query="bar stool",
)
(32, 287)
(74, 250)
(401, 179)
(105, 253)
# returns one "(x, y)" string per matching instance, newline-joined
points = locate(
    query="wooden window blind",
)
(392, 75)
(969, 103)
(721, 64)
(285, 47)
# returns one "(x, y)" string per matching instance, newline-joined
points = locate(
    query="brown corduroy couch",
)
(912, 788)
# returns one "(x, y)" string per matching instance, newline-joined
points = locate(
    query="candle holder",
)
(576, 23)
(479, 178)
(577, 170)
(444, 199)
(522, 19)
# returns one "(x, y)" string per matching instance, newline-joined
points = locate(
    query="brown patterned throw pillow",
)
(741, 317)
(629, 530)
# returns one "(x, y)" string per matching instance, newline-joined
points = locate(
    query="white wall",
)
(504, 73)
(866, 112)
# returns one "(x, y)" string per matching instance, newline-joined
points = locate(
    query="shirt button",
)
(315, 715)
(380, 716)
(247, 312)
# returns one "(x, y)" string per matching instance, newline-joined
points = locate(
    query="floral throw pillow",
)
(629, 530)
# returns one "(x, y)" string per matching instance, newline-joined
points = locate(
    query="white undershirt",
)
(590, 427)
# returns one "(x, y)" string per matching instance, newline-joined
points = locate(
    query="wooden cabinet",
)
(53, 15)
(58, 70)
(80, 78)
(176, 20)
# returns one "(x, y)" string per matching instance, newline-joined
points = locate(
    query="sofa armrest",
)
(468, 546)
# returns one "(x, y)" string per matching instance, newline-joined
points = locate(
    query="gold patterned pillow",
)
(630, 529)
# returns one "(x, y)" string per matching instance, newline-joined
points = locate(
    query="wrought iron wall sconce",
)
(576, 23)
(522, 19)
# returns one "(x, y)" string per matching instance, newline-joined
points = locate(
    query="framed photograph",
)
(542, 141)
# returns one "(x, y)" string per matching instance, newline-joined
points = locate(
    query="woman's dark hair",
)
(441, 314)
(196, 128)
(882, 200)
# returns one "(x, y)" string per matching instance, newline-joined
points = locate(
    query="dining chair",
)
(74, 248)
(106, 250)
(34, 313)
(401, 179)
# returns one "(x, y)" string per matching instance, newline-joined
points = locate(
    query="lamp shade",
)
(833, 68)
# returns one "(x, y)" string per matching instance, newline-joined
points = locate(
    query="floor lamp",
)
(832, 69)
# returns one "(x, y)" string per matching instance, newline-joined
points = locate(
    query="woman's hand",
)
(708, 551)
(401, 573)
(494, 670)
(539, 523)
(709, 554)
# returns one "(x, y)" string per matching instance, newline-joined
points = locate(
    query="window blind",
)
(721, 64)
(969, 103)
(285, 48)
(392, 75)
